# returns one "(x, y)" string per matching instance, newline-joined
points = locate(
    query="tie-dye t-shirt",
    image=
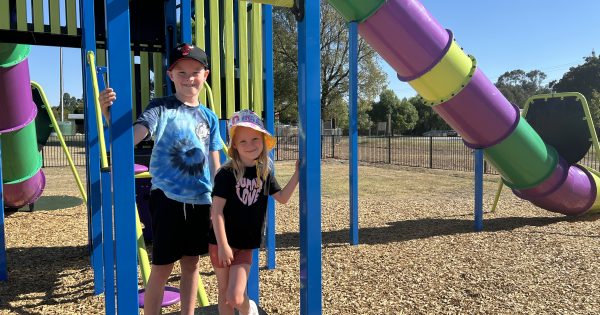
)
(183, 137)
(245, 208)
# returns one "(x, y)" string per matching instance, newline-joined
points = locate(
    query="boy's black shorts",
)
(178, 229)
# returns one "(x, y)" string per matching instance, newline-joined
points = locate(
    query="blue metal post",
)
(309, 103)
(92, 152)
(186, 21)
(478, 156)
(353, 131)
(269, 121)
(3, 268)
(170, 36)
(253, 278)
(119, 59)
(108, 245)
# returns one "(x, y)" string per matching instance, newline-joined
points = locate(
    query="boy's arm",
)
(215, 163)
(107, 97)
(284, 195)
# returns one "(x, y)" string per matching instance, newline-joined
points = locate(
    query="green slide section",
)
(356, 10)
(536, 159)
(22, 159)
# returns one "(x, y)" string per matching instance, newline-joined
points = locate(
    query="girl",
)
(240, 195)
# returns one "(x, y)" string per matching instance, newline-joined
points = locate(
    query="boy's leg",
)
(222, 282)
(155, 288)
(188, 285)
(236, 291)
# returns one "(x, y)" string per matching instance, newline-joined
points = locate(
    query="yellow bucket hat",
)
(248, 118)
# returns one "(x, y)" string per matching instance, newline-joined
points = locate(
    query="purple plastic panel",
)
(16, 103)
(548, 186)
(26, 192)
(139, 168)
(406, 36)
(575, 196)
(480, 113)
(170, 297)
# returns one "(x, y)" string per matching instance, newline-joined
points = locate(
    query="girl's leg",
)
(236, 290)
(155, 288)
(188, 285)
(222, 281)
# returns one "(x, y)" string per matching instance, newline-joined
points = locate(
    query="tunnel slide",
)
(23, 178)
(425, 55)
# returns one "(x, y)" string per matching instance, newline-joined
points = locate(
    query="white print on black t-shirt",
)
(247, 191)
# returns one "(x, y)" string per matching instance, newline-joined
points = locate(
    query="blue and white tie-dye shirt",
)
(183, 137)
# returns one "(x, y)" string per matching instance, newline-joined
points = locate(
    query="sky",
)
(546, 35)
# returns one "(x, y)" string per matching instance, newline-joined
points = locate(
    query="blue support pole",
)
(186, 21)
(478, 156)
(269, 121)
(170, 36)
(3, 267)
(309, 103)
(223, 131)
(108, 245)
(121, 140)
(92, 152)
(253, 278)
(353, 131)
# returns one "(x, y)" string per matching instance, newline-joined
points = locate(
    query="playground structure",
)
(422, 52)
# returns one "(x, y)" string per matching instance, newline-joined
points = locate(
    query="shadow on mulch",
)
(48, 203)
(34, 274)
(407, 230)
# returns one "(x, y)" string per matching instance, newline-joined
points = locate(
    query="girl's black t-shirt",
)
(245, 206)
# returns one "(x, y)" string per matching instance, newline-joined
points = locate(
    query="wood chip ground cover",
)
(418, 253)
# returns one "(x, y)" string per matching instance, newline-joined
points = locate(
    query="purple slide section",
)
(406, 36)
(480, 113)
(26, 192)
(16, 105)
(575, 195)
(412, 42)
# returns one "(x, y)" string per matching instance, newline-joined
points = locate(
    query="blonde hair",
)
(263, 164)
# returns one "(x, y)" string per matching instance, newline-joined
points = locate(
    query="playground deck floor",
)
(418, 253)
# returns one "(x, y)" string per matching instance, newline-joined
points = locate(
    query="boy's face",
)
(189, 76)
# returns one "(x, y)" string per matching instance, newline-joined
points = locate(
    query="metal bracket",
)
(298, 10)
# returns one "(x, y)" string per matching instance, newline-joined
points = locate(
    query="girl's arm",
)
(218, 221)
(284, 195)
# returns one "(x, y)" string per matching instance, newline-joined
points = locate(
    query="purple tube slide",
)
(16, 103)
(406, 36)
(574, 196)
(26, 192)
(480, 113)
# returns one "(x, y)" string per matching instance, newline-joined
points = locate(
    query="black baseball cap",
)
(187, 51)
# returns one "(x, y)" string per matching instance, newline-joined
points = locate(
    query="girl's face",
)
(249, 144)
(188, 75)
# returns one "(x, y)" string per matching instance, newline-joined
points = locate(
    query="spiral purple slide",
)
(23, 181)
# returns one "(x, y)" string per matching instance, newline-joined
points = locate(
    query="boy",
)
(184, 160)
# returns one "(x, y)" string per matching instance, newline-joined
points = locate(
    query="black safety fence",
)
(448, 153)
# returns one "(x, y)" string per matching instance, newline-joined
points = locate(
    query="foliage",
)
(517, 85)
(584, 78)
(427, 118)
(403, 114)
(334, 66)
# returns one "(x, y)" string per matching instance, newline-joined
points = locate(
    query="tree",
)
(517, 85)
(428, 119)
(584, 78)
(404, 116)
(334, 65)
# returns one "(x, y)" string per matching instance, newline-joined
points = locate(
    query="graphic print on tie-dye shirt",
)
(179, 162)
(246, 191)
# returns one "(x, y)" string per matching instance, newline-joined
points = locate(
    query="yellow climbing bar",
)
(257, 68)
(229, 59)
(215, 55)
(92, 62)
(277, 3)
(243, 53)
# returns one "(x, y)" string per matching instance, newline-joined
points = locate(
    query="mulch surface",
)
(418, 253)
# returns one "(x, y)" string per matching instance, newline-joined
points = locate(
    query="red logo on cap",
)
(185, 50)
